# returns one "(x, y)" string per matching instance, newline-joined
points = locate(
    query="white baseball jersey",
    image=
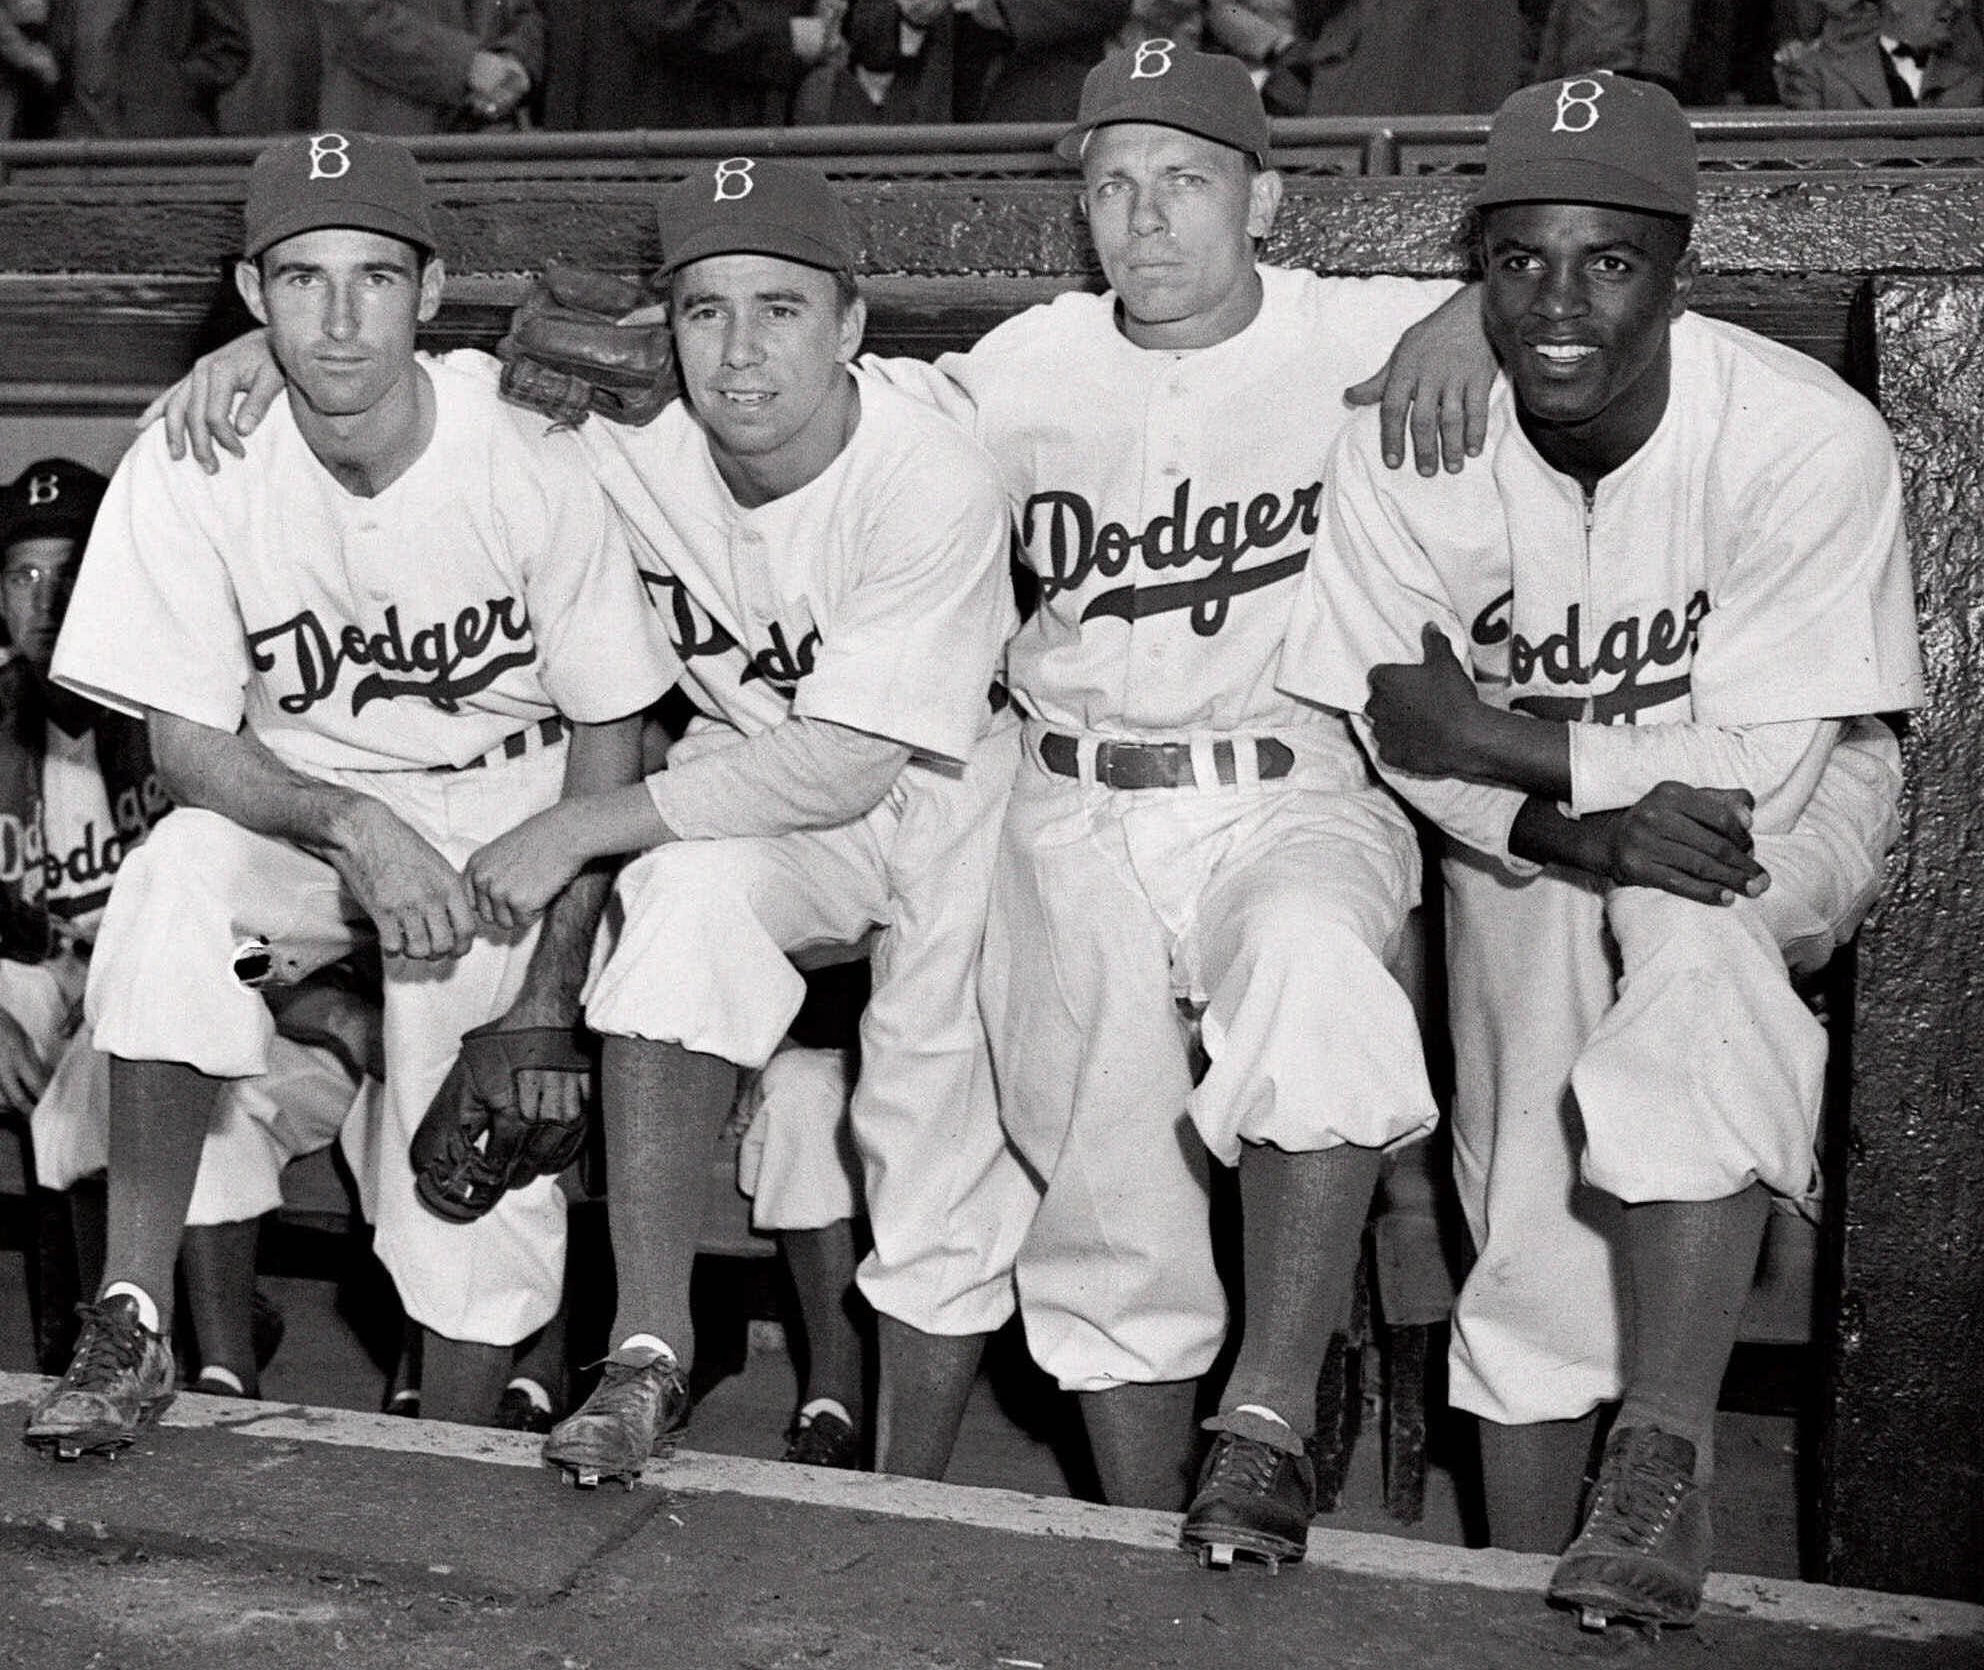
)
(364, 641)
(84, 838)
(1169, 501)
(270, 593)
(875, 596)
(1747, 566)
(1744, 573)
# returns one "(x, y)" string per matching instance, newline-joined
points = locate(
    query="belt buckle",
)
(1143, 765)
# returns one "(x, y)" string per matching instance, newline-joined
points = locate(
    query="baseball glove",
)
(568, 356)
(476, 1141)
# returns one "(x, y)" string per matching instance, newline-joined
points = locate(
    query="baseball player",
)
(1181, 831)
(1628, 663)
(404, 627)
(831, 557)
(82, 794)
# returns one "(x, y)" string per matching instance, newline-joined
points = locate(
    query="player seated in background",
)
(81, 796)
(832, 558)
(1678, 587)
(406, 624)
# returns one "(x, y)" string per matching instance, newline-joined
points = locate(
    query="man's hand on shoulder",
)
(1436, 382)
(1424, 714)
(419, 902)
(23, 1074)
(200, 412)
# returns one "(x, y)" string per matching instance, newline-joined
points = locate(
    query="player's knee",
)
(1660, 929)
(702, 881)
(1303, 939)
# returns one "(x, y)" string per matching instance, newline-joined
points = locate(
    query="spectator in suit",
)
(1644, 38)
(1398, 57)
(1886, 55)
(278, 92)
(29, 70)
(428, 66)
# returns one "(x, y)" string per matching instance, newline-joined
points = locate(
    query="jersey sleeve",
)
(1369, 315)
(1814, 617)
(1615, 765)
(154, 622)
(913, 646)
(1369, 587)
(945, 385)
(603, 653)
(1367, 593)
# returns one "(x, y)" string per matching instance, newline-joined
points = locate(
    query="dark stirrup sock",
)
(822, 1264)
(159, 1115)
(219, 1265)
(462, 1380)
(923, 1385)
(1689, 1268)
(1141, 1438)
(1532, 1481)
(1302, 1232)
(663, 1108)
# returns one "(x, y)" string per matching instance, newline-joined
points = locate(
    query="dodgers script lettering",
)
(694, 632)
(1625, 650)
(1069, 546)
(428, 663)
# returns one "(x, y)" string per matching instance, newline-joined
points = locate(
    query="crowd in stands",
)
(169, 68)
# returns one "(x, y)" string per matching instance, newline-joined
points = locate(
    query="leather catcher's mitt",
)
(566, 356)
(476, 1142)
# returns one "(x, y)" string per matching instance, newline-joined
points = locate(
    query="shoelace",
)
(637, 1379)
(1246, 1463)
(111, 1342)
(1635, 1500)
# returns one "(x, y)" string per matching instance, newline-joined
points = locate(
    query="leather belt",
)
(1164, 765)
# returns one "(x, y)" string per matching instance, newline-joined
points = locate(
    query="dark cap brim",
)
(1580, 180)
(764, 240)
(385, 218)
(1193, 118)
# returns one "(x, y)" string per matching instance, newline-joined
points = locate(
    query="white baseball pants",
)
(1276, 908)
(699, 954)
(1632, 1046)
(162, 988)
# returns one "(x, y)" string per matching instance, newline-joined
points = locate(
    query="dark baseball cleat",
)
(639, 1408)
(518, 1411)
(823, 1439)
(1253, 1499)
(119, 1380)
(1642, 1554)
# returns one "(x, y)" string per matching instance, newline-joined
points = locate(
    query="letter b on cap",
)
(1153, 60)
(330, 156)
(44, 489)
(733, 179)
(1577, 111)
